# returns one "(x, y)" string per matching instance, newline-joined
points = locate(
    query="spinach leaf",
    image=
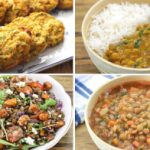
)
(27, 100)
(26, 147)
(48, 103)
(137, 43)
(2, 95)
(7, 143)
(141, 33)
(6, 77)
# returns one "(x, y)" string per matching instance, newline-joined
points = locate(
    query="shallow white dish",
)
(102, 145)
(60, 94)
(102, 64)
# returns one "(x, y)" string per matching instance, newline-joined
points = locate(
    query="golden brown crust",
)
(43, 5)
(65, 4)
(11, 9)
(18, 8)
(4, 6)
(26, 37)
(15, 47)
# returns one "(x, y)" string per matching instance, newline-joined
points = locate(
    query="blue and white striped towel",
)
(84, 87)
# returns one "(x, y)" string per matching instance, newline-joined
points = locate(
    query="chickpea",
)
(129, 116)
(60, 123)
(122, 136)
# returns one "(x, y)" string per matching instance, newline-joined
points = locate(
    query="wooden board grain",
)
(83, 139)
(83, 62)
(66, 143)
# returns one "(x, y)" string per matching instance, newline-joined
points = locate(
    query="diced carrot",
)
(111, 122)
(36, 85)
(45, 96)
(135, 144)
(10, 102)
(3, 113)
(148, 141)
(34, 108)
(26, 90)
(43, 116)
(130, 123)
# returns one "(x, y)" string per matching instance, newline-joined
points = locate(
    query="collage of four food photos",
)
(74, 75)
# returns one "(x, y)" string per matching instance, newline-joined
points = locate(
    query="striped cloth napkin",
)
(84, 87)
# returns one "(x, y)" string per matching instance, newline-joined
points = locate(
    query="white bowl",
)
(102, 64)
(102, 145)
(60, 94)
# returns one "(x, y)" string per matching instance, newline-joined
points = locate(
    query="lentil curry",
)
(30, 114)
(121, 116)
(132, 51)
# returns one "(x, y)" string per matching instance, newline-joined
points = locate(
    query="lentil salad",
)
(30, 114)
(121, 116)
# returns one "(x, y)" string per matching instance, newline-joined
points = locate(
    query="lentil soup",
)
(121, 116)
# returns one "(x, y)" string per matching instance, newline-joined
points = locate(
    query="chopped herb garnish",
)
(141, 33)
(27, 100)
(137, 43)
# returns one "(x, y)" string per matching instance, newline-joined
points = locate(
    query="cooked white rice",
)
(115, 22)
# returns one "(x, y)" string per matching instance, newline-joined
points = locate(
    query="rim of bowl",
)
(95, 54)
(86, 117)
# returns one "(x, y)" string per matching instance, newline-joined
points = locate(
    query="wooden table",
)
(83, 139)
(66, 142)
(66, 67)
(83, 62)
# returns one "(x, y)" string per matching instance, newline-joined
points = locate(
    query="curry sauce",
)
(132, 51)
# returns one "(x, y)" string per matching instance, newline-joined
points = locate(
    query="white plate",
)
(56, 55)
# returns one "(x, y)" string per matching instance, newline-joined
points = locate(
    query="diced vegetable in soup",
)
(121, 116)
(133, 51)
